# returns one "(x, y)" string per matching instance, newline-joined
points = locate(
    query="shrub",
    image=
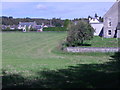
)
(78, 33)
(33, 29)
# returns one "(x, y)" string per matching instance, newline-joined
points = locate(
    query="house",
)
(111, 27)
(13, 27)
(39, 28)
(3, 26)
(24, 25)
(97, 25)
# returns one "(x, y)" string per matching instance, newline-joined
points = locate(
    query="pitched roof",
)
(114, 6)
(119, 11)
(27, 23)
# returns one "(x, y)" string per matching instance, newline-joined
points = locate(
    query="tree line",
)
(57, 22)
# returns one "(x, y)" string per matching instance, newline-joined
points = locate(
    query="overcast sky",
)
(64, 10)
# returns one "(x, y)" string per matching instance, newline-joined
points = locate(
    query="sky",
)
(63, 9)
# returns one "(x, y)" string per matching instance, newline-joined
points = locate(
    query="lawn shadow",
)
(81, 45)
(81, 76)
(85, 44)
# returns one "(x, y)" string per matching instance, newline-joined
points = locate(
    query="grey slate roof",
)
(119, 11)
(114, 7)
(27, 23)
(38, 26)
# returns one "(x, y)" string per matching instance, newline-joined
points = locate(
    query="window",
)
(109, 22)
(109, 32)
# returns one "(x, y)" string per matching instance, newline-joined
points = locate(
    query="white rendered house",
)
(97, 25)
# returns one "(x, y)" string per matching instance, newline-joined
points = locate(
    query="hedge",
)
(17, 30)
(11, 29)
(44, 29)
(54, 29)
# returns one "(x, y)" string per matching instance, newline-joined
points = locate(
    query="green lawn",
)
(31, 60)
(102, 42)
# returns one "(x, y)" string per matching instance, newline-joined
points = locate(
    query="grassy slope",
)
(26, 54)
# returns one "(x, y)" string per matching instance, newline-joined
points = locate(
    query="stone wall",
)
(91, 49)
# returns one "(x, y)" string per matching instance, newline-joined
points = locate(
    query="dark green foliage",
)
(8, 28)
(79, 33)
(33, 29)
(101, 19)
(57, 22)
(11, 29)
(15, 21)
(66, 23)
(96, 15)
(89, 17)
(54, 29)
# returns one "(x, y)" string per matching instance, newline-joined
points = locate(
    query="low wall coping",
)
(92, 49)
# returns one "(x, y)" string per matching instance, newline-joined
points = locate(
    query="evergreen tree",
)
(96, 15)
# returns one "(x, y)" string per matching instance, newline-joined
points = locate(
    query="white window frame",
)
(109, 32)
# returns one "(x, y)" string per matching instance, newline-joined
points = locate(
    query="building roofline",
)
(111, 8)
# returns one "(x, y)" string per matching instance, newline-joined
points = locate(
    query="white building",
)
(25, 25)
(97, 25)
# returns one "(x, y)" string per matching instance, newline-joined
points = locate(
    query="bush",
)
(62, 45)
(54, 29)
(11, 29)
(32, 29)
(78, 33)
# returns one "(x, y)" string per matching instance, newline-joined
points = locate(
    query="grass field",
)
(102, 42)
(32, 60)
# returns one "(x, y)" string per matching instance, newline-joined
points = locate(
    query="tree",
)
(66, 23)
(57, 22)
(101, 19)
(8, 28)
(78, 33)
(27, 29)
(10, 17)
(96, 15)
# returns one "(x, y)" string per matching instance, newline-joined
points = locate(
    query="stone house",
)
(111, 27)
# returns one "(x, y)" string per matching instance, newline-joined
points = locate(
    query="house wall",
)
(113, 15)
(97, 27)
(118, 33)
(119, 11)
